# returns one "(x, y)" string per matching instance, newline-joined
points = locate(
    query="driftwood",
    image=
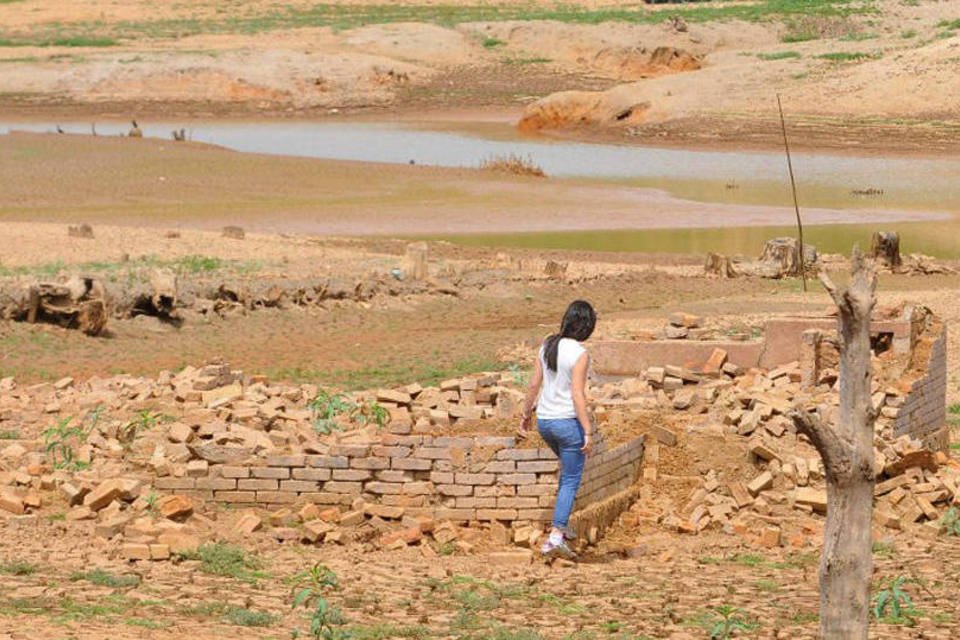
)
(76, 303)
(848, 459)
(415, 261)
(885, 249)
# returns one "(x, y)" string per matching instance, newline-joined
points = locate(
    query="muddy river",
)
(751, 178)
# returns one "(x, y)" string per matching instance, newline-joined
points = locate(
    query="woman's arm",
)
(533, 390)
(579, 393)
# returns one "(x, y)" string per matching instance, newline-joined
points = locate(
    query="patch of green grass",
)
(748, 560)
(525, 61)
(492, 43)
(949, 25)
(103, 578)
(73, 610)
(220, 559)
(9, 434)
(954, 409)
(797, 561)
(242, 617)
(769, 586)
(792, 37)
(779, 55)
(387, 374)
(144, 623)
(72, 41)
(805, 617)
(884, 549)
(18, 568)
(908, 33)
(847, 56)
(859, 36)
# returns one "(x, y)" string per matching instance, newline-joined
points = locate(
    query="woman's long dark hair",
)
(578, 323)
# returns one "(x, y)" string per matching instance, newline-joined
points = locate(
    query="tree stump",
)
(415, 265)
(719, 265)
(781, 258)
(885, 248)
(848, 459)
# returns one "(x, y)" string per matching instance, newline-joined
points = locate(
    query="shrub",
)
(513, 164)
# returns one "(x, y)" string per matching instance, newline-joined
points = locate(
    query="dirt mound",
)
(620, 106)
(636, 63)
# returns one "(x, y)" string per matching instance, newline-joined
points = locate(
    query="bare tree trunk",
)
(848, 459)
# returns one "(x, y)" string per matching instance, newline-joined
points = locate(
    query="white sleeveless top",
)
(556, 395)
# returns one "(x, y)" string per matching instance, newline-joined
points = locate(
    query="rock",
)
(220, 454)
(179, 432)
(760, 483)
(11, 502)
(315, 530)
(395, 397)
(248, 523)
(176, 507)
(815, 498)
(105, 493)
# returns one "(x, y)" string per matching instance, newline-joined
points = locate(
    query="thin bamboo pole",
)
(793, 185)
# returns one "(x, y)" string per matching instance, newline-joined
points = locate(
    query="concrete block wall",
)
(460, 478)
(924, 410)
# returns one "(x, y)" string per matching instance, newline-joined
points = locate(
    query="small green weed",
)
(950, 25)
(769, 586)
(892, 603)
(327, 407)
(779, 55)
(726, 621)
(884, 549)
(58, 443)
(9, 434)
(525, 61)
(954, 409)
(326, 621)
(144, 623)
(951, 522)
(909, 33)
(492, 43)
(388, 632)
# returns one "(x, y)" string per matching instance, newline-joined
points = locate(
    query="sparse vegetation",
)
(779, 55)
(951, 522)
(221, 559)
(492, 43)
(847, 56)
(59, 441)
(514, 164)
(18, 568)
(104, 578)
(9, 434)
(329, 407)
(243, 617)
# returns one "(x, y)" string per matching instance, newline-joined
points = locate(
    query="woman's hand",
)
(526, 420)
(587, 444)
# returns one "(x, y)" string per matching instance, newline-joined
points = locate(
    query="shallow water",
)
(734, 177)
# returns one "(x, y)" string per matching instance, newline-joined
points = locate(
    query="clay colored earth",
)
(875, 77)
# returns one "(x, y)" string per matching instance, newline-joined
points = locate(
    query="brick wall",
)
(923, 414)
(449, 478)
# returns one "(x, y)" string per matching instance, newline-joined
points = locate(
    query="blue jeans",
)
(565, 437)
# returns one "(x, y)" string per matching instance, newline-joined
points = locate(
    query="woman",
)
(560, 381)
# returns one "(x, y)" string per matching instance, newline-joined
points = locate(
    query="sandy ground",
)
(202, 59)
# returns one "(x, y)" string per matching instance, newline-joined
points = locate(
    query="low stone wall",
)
(923, 414)
(477, 478)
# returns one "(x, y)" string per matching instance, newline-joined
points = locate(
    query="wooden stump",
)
(885, 248)
(415, 266)
(781, 258)
(719, 265)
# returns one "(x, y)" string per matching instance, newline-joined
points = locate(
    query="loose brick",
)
(235, 496)
(381, 451)
(384, 487)
(295, 460)
(518, 503)
(475, 478)
(276, 497)
(233, 472)
(328, 462)
(454, 490)
(350, 450)
(370, 463)
(496, 514)
(517, 478)
(390, 475)
(538, 466)
(307, 473)
(337, 486)
(217, 484)
(353, 475)
(411, 464)
(169, 483)
(384, 511)
(457, 515)
(518, 454)
(258, 484)
(299, 485)
(277, 473)
(433, 453)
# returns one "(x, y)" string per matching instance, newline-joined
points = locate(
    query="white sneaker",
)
(557, 550)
